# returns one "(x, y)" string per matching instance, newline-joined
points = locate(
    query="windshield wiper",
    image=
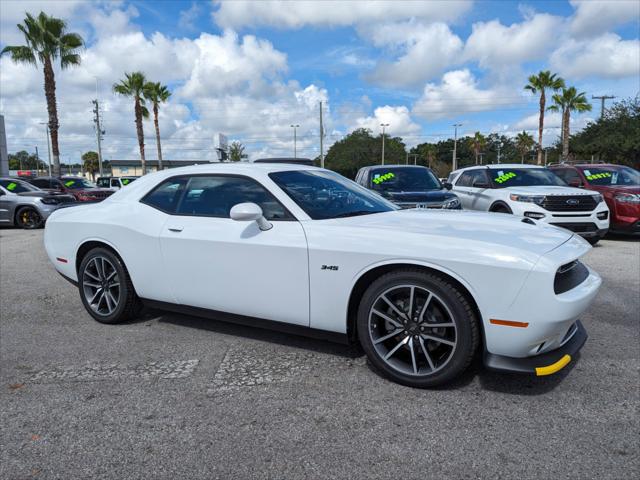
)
(356, 213)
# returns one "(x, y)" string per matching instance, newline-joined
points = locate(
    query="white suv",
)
(533, 192)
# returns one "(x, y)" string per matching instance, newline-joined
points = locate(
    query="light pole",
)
(455, 146)
(295, 140)
(499, 147)
(383, 125)
(48, 145)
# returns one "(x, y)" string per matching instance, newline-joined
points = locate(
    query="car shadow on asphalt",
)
(260, 334)
(508, 383)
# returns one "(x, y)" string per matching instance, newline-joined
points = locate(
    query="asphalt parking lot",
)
(171, 396)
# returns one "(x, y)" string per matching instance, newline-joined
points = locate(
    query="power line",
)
(602, 99)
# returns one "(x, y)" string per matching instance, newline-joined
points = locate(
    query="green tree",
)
(156, 93)
(524, 142)
(133, 85)
(47, 40)
(569, 100)
(540, 83)
(90, 163)
(23, 160)
(360, 149)
(477, 143)
(615, 138)
(236, 151)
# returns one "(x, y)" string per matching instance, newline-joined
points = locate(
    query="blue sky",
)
(251, 69)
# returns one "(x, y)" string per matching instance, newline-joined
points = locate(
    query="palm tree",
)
(524, 142)
(539, 83)
(133, 85)
(478, 142)
(236, 151)
(569, 100)
(157, 93)
(47, 40)
(430, 152)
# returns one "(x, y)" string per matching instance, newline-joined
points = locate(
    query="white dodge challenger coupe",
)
(304, 250)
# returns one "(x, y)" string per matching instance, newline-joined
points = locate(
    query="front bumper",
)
(587, 224)
(543, 364)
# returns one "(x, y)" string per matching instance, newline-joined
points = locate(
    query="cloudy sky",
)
(251, 69)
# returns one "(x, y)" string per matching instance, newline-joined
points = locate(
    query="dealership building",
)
(133, 168)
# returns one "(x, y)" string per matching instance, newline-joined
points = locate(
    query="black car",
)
(408, 186)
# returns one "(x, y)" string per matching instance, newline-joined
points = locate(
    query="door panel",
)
(230, 266)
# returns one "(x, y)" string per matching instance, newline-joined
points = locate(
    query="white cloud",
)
(189, 16)
(594, 17)
(427, 51)
(333, 13)
(605, 56)
(398, 118)
(459, 93)
(493, 44)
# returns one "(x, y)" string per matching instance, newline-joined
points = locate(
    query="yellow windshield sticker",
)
(596, 176)
(69, 183)
(382, 178)
(12, 186)
(504, 177)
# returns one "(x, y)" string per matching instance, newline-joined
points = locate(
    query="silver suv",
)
(26, 206)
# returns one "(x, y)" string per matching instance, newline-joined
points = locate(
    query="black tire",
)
(128, 304)
(466, 328)
(593, 240)
(501, 208)
(28, 218)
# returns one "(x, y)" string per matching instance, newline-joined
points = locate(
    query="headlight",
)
(537, 199)
(597, 198)
(49, 201)
(451, 203)
(627, 198)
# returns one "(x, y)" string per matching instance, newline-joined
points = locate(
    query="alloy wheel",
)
(101, 285)
(412, 330)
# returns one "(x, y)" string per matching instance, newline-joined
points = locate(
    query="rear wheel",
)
(28, 218)
(105, 287)
(417, 328)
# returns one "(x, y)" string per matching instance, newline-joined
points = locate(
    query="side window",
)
(215, 195)
(465, 179)
(165, 196)
(479, 176)
(41, 183)
(115, 182)
(102, 182)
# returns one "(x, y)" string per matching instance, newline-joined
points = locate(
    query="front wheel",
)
(105, 288)
(417, 328)
(593, 240)
(28, 218)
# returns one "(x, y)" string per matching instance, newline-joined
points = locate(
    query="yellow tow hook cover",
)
(554, 367)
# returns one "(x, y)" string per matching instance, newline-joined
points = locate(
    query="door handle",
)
(175, 229)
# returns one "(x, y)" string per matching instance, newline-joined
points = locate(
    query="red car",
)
(618, 184)
(81, 188)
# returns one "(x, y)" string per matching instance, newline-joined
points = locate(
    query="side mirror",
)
(575, 182)
(447, 185)
(480, 185)
(250, 212)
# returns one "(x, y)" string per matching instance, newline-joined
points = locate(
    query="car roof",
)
(496, 166)
(386, 167)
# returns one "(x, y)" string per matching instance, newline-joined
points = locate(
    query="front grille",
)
(420, 205)
(569, 276)
(569, 203)
(578, 227)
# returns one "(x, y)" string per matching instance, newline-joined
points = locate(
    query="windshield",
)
(324, 195)
(77, 183)
(524, 177)
(17, 186)
(401, 179)
(612, 176)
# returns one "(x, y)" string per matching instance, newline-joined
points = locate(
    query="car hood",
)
(424, 196)
(621, 188)
(549, 190)
(492, 228)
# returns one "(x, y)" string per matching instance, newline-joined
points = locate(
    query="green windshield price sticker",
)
(12, 186)
(383, 178)
(125, 181)
(69, 183)
(504, 177)
(596, 176)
